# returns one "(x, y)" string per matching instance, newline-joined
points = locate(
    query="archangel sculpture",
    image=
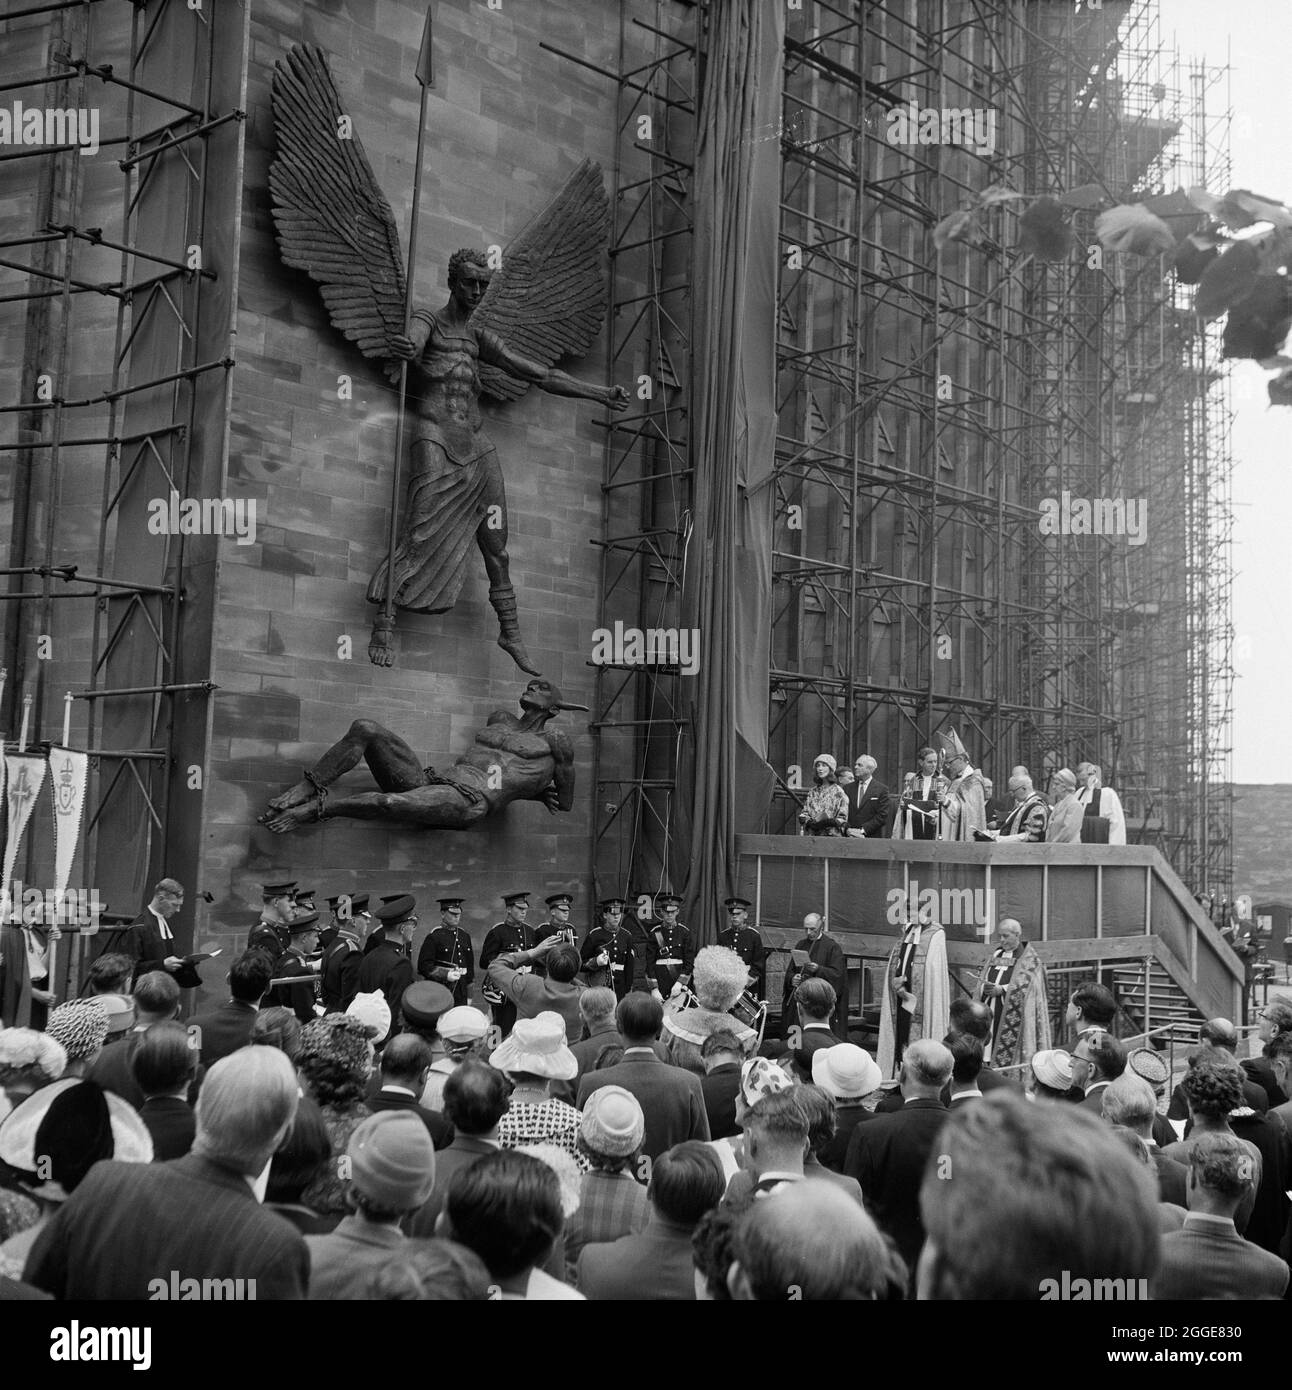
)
(511, 760)
(498, 334)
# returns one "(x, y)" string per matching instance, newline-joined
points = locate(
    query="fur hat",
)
(719, 978)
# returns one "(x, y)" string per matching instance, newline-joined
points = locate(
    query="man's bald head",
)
(809, 1241)
(926, 1068)
(1219, 1032)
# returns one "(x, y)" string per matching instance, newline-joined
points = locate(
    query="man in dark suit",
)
(966, 1067)
(656, 1264)
(1097, 1061)
(722, 1055)
(888, 1155)
(671, 1099)
(1220, 1035)
(870, 803)
(813, 1003)
(1207, 1258)
(824, 962)
(386, 967)
(745, 941)
(131, 1230)
(156, 998)
(228, 1027)
(405, 1064)
(476, 1097)
(1130, 1101)
(163, 1066)
(597, 1010)
(150, 942)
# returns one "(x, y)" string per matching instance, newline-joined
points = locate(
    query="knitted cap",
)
(827, 759)
(613, 1123)
(392, 1160)
(81, 1026)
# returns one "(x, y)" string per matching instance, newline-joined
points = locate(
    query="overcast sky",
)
(1257, 35)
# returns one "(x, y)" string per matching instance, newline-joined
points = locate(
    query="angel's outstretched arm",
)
(556, 383)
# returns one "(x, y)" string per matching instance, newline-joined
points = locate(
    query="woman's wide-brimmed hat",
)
(537, 1045)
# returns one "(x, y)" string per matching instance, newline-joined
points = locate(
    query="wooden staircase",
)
(1151, 999)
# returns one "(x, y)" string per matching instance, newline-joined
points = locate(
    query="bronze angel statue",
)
(499, 333)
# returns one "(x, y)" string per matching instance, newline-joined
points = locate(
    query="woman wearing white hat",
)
(850, 1074)
(534, 1056)
(825, 812)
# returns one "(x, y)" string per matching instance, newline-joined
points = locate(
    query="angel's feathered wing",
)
(548, 299)
(332, 219)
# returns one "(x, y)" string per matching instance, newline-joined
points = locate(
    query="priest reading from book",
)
(151, 942)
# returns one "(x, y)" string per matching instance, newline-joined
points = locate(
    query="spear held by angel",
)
(499, 333)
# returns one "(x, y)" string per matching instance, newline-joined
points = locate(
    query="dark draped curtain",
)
(725, 782)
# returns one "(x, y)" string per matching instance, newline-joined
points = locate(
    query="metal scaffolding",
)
(930, 402)
(104, 296)
(638, 710)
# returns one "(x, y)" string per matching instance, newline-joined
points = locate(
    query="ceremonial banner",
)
(70, 771)
(26, 777)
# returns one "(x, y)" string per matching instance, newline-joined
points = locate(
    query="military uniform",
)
(617, 943)
(339, 976)
(671, 943)
(503, 938)
(388, 969)
(748, 945)
(273, 938)
(448, 948)
(298, 998)
(563, 930)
